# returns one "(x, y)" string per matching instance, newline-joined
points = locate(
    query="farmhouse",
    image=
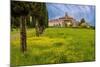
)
(66, 21)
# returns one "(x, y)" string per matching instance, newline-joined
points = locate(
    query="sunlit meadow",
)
(55, 45)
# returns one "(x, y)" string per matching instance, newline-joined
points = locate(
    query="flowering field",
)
(55, 45)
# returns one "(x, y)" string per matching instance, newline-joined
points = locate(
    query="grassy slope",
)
(56, 45)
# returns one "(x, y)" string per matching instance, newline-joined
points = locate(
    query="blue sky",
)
(56, 10)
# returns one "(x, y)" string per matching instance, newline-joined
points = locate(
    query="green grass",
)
(55, 45)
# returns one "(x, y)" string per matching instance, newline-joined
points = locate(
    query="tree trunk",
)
(41, 29)
(37, 28)
(23, 33)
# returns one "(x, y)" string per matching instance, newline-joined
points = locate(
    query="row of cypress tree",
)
(21, 11)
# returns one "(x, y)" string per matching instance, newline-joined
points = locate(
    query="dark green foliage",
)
(82, 20)
(20, 16)
(36, 10)
(21, 10)
(15, 22)
(39, 17)
(83, 24)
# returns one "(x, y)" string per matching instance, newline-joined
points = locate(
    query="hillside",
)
(56, 45)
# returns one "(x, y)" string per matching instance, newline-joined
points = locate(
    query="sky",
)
(56, 10)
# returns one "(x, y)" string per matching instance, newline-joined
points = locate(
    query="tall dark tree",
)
(25, 9)
(21, 10)
(40, 17)
(82, 20)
